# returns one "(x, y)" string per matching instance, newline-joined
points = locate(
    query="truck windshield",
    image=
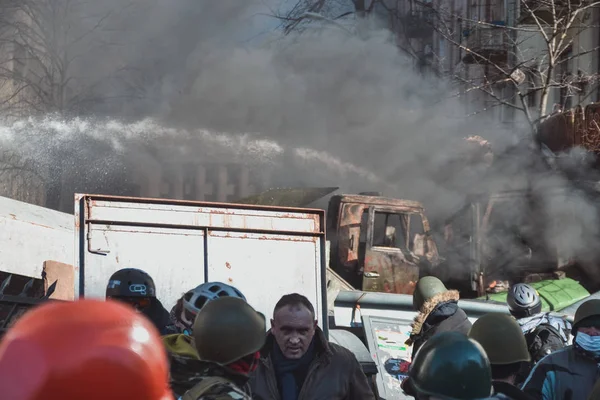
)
(396, 230)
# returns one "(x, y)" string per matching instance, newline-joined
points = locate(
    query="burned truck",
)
(380, 244)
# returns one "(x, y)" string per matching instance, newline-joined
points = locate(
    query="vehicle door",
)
(390, 262)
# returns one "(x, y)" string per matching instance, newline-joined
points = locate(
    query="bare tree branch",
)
(46, 52)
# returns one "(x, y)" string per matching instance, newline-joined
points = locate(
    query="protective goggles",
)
(139, 303)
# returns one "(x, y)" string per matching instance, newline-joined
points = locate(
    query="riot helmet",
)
(523, 301)
(450, 366)
(502, 339)
(426, 288)
(228, 329)
(195, 299)
(132, 286)
(588, 313)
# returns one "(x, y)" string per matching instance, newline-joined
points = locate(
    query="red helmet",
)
(87, 349)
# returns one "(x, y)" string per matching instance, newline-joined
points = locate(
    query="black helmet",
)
(130, 282)
(523, 301)
(450, 366)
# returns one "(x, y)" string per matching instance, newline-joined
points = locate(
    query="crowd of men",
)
(214, 345)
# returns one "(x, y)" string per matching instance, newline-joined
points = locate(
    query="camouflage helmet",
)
(426, 288)
(502, 339)
(227, 329)
(590, 308)
(450, 366)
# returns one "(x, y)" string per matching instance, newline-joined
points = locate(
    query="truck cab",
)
(379, 244)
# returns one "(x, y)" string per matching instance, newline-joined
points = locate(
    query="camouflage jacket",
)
(191, 378)
(215, 388)
(185, 367)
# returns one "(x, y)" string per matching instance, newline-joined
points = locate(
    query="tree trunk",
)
(359, 6)
(545, 93)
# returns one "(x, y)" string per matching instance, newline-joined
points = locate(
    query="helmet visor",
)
(139, 303)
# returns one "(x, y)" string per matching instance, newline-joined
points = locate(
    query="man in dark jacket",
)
(438, 312)
(298, 363)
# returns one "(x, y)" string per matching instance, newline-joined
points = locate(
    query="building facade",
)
(491, 47)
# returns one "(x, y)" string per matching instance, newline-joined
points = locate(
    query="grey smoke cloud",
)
(344, 104)
(351, 94)
(347, 93)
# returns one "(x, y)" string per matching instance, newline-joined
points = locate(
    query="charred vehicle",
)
(510, 237)
(379, 244)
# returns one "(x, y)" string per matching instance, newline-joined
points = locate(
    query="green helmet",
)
(451, 366)
(590, 308)
(502, 339)
(219, 326)
(427, 287)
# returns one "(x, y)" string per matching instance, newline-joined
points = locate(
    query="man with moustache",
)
(298, 363)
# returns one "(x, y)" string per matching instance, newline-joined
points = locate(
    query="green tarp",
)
(555, 294)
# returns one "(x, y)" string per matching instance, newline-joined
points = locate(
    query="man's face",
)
(293, 328)
(591, 331)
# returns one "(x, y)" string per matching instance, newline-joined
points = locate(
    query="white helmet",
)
(195, 299)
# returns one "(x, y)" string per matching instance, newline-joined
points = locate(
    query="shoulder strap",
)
(546, 327)
(543, 340)
(202, 387)
(510, 391)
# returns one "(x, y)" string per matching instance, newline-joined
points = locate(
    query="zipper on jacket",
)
(317, 363)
